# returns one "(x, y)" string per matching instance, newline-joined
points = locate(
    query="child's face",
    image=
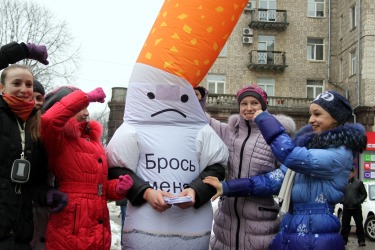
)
(198, 94)
(19, 83)
(320, 119)
(82, 115)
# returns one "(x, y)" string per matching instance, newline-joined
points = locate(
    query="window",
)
(266, 43)
(353, 63)
(353, 17)
(340, 26)
(314, 88)
(216, 84)
(267, 10)
(315, 49)
(315, 8)
(268, 85)
(223, 52)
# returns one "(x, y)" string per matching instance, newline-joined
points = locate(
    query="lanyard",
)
(22, 133)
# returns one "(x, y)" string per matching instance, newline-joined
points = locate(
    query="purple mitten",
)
(38, 52)
(125, 182)
(56, 200)
(96, 95)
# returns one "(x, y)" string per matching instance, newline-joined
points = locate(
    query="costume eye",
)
(151, 95)
(184, 98)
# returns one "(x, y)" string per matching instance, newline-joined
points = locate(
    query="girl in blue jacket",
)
(319, 158)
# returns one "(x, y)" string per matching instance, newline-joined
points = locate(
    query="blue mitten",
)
(56, 200)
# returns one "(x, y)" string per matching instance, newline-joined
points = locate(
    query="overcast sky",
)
(110, 35)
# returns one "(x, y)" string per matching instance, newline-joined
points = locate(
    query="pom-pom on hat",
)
(335, 104)
(38, 87)
(254, 91)
(56, 95)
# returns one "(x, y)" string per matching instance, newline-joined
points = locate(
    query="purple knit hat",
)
(254, 91)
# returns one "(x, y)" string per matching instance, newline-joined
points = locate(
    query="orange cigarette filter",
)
(188, 35)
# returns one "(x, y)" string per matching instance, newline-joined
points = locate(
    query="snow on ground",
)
(115, 217)
(114, 213)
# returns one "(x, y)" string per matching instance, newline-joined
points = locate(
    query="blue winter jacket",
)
(322, 163)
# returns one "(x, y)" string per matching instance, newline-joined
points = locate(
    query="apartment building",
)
(294, 49)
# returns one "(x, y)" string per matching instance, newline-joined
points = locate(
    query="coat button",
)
(100, 221)
(100, 160)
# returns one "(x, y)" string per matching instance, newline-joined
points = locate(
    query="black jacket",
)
(203, 191)
(355, 194)
(16, 223)
(11, 53)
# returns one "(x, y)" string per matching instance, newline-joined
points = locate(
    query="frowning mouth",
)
(167, 110)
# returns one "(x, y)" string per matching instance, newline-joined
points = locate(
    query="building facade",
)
(295, 50)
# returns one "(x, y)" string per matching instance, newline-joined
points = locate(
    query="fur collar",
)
(287, 122)
(91, 129)
(350, 135)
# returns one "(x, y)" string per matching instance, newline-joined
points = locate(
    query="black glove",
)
(56, 200)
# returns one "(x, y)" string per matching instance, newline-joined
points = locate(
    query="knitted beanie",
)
(201, 90)
(335, 104)
(38, 87)
(254, 91)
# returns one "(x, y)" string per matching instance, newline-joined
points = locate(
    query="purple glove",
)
(96, 95)
(125, 182)
(56, 200)
(38, 52)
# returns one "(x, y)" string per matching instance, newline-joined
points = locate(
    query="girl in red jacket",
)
(76, 158)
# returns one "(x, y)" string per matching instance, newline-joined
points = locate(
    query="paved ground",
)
(353, 243)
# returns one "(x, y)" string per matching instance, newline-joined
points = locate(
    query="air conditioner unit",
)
(247, 31)
(247, 40)
(250, 6)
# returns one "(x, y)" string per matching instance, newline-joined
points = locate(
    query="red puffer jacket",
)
(77, 159)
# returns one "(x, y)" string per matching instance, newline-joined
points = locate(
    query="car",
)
(368, 210)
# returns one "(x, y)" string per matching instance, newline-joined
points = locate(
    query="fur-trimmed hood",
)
(350, 135)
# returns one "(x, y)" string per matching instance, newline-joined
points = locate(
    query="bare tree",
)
(102, 117)
(26, 21)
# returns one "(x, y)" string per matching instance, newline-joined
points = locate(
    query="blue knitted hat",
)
(335, 104)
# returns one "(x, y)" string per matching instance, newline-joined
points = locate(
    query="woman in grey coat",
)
(246, 217)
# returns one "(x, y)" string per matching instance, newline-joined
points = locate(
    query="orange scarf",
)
(21, 107)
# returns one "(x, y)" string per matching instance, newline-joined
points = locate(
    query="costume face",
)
(38, 99)
(162, 104)
(320, 119)
(19, 83)
(82, 115)
(248, 106)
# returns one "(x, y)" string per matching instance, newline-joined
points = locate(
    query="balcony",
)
(229, 101)
(221, 106)
(268, 19)
(265, 60)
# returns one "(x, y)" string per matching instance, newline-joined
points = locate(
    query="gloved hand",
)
(125, 182)
(96, 95)
(56, 200)
(38, 52)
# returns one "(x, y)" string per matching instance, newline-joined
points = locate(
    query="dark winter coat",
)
(77, 159)
(16, 223)
(355, 194)
(11, 53)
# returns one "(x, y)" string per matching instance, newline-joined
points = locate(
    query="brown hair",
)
(13, 66)
(33, 122)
